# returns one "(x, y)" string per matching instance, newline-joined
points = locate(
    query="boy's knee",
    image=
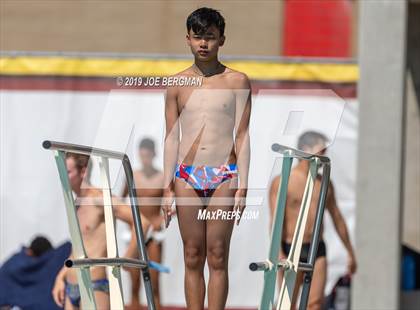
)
(194, 256)
(217, 256)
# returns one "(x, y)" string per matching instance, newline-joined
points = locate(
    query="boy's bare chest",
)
(90, 217)
(206, 99)
(148, 185)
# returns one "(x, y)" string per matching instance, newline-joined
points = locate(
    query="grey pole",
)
(381, 88)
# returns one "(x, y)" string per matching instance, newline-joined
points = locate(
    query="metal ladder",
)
(292, 264)
(112, 262)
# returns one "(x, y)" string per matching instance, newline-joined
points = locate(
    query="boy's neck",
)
(83, 190)
(207, 68)
(149, 171)
(303, 165)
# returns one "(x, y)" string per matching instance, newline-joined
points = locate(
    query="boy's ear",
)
(222, 40)
(83, 172)
(187, 36)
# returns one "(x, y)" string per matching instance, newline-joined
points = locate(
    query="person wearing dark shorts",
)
(304, 254)
(314, 143)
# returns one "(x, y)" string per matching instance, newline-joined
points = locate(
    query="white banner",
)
(32, 201)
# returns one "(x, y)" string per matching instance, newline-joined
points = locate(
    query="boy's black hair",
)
(40, 245)
(82, 161)
(148, 144)
(203, 18)
(311, 138)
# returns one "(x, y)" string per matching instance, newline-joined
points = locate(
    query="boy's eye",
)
(205, 37)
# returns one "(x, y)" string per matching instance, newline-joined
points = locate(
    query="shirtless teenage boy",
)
(149, 183)
(210, 161)
(90, 214)
(314, 143)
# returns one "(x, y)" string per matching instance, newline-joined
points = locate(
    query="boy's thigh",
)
(68, 305)
(219, 229)
(188, 206)
(102, 300)
(319, 278)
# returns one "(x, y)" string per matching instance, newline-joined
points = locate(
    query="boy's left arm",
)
(123, 212)
(341, 228)
(242, 140)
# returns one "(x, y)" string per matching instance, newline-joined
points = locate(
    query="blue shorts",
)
(73, 293)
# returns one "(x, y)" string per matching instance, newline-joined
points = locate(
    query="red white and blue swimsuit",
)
(205, 178)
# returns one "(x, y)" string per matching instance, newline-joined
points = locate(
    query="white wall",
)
(32, 202)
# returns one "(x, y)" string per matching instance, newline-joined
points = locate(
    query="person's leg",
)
(193, 234)
(154, 251)
(101, 292)
(284, 252)
(134, 273)
(68, 305)
(219, 232)
(72, 298)
(299, 278)
(298, 283)
(319, 276)
(135, 288)
(280, 273)
(102, 300)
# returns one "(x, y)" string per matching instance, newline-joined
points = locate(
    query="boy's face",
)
(75, 175)
(205, 46)
(146, 157)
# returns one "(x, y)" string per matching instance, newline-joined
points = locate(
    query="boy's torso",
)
(295, 191)
(149, 190)
(207, 119)
(92, 227)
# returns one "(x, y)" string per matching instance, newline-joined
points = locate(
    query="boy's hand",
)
(58, 291)
(352, 265)
(240, 202)
(167, 201)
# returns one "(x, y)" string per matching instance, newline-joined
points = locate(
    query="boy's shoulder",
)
(236, 78)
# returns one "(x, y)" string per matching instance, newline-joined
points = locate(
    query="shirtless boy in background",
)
(149, 191)
(314, 143)
(92, 227)
(202, 168)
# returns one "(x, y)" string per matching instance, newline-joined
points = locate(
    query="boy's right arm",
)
(170, 151)
(58, 291)
(341, 228)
